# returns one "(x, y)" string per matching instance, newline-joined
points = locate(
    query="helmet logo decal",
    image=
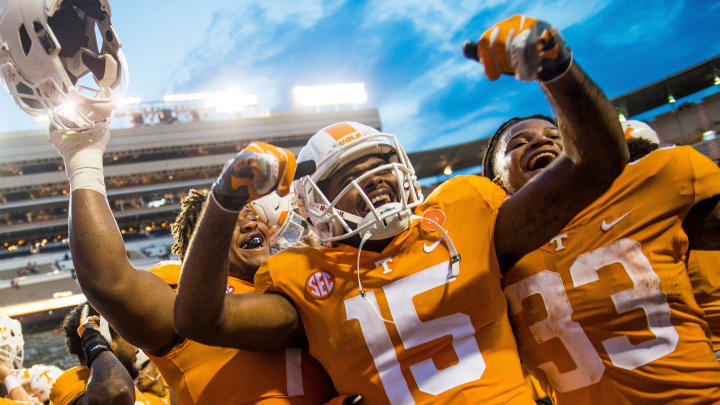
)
(341, 130)
(320, 284)
(433, 214)
(350, 137)
(229, 289)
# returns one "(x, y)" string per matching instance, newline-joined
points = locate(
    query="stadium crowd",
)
(560, 275)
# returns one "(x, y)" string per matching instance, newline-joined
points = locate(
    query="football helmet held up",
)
(48, 46)
(337, 145)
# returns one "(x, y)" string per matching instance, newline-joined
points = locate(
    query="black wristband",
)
(230, 202)
(93, 344)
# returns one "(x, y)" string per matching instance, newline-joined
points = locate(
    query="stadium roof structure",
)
(433, 162)
(678, 85)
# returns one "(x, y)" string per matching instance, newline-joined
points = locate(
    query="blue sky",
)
(407, 52)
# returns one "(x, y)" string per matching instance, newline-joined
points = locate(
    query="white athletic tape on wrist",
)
(82, 152)
(85, 171)
(11, 382)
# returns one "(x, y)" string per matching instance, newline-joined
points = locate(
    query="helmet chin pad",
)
(397, 221)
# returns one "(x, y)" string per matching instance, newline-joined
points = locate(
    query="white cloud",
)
(242, 40)
(400, 110)
(641, 24)
(440, 22)
(241, 37)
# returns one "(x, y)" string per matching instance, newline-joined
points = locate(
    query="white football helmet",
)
(41, 378)
(280, 214)
(337, 145)
(639, 129)
(46, 46)
(11, 343)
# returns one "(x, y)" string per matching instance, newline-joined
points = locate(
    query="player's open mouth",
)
(379, 197)
(254, 241)
(540, 160)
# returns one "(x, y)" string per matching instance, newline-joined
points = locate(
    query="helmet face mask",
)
(47, 47)
(287, 227)
(11, 343)
(332, 152)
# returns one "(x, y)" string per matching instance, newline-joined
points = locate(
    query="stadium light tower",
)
(334, 94)
(231, 101)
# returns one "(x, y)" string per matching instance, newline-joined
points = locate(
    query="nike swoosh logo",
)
(606, 227)
(429, 248)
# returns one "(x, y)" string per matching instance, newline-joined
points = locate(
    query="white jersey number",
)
(414, 332)
(645, 294)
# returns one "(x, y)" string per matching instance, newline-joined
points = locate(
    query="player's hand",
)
(5, 371)
(525, 47)
(80, 145)
(254, 172)
(92, 323)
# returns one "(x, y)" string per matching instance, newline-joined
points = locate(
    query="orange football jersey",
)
(72, 383)
(704, 270)
(419, 335)
(201, 374)
(536, 389)
(605, 313)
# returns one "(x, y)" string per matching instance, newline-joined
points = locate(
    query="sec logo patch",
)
(320, 284)
(433, 214)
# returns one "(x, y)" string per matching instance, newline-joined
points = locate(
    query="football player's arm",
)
(702, 224)
(594, 155)
(203, 312)
(594, 146)
(109, 383)
(137, 303)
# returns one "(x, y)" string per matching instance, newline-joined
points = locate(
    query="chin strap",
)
(453, 272)
(363, 293)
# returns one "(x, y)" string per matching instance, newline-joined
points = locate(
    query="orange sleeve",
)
(490, 192)
(70, 386)
(706, 176)
(168, 271)
(264, 281)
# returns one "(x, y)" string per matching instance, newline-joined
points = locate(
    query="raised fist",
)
(256, 171)
(525, 47)
(91, 322)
